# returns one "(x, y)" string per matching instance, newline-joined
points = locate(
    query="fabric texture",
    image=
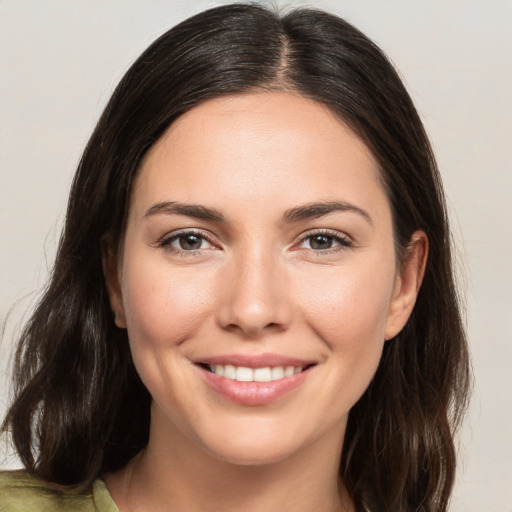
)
(20, 492)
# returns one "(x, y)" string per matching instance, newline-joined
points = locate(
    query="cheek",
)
(348, 305)
(348, 310)
(163, 307)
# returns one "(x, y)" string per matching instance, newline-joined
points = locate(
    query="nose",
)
(253, 296)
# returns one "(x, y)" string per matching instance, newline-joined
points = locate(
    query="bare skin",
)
(258, 230)
(187, 483)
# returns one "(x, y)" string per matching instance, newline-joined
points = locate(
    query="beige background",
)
(60, 60)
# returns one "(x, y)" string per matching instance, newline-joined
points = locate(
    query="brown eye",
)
(190, 242)
(325, 241)
(321, 242)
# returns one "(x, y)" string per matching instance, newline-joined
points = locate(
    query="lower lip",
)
(253, 393)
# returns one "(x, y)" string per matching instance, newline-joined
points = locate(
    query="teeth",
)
(244, 374)
(228, 372)
(277, 372)
(262, 375)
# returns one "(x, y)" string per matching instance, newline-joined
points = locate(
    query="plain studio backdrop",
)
(59, 63)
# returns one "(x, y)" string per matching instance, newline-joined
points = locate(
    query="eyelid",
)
(166, 241)
(344, 240)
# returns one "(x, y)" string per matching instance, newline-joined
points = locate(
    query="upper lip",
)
(254, 361)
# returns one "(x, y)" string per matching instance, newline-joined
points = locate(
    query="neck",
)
(175, 474)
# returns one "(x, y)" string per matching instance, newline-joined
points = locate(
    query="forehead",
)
(270, 148)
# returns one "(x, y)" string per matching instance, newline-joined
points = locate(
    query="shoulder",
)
(21, 492)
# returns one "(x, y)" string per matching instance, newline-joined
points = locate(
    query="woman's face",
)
(258, 279)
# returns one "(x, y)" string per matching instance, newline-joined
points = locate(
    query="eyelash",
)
(344, 241)
(166, 243)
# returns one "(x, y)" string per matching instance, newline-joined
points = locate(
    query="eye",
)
(324, 241)
(189, 242)
(320, 242)
(186, 241)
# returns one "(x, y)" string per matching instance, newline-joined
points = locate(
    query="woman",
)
(253, 303)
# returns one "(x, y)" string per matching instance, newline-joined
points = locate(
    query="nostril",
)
(254, 330)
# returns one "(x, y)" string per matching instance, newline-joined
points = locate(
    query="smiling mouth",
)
(245, 374)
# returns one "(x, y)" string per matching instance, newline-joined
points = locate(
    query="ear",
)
(407, 284)
(111, 272)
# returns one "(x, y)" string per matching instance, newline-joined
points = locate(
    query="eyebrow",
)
(300, 213)
(321, 209)
(189, 210)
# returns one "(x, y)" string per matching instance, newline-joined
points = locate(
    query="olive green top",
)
(20, 492)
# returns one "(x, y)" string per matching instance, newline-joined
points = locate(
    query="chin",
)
(257, 441)
(253, 454)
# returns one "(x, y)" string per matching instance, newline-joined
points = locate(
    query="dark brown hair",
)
(80, 408)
